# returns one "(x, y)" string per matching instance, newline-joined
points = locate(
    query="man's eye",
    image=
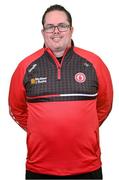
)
(62, 25)
(49, 27)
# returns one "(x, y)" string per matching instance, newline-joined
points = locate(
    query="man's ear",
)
(42, 32)
(72, 29)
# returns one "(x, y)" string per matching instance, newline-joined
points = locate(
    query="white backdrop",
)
(96, 28)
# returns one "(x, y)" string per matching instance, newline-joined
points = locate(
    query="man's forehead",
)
(55, 17)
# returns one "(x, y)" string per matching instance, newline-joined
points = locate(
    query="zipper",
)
(58, 65)
(58, 73)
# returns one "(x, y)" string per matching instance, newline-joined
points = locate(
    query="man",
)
(60, 95)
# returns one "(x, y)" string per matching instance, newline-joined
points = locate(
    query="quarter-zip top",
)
(61, 106)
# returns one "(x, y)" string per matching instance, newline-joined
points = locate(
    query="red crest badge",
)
(80, 77)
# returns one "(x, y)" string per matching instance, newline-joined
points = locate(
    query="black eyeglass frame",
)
(52, 28)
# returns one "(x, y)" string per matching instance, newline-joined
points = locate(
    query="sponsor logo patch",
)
(38, 80)
(80, 77)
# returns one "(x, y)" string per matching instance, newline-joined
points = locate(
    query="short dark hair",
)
(59, 8)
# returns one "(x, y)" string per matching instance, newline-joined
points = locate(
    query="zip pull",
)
(59, 73)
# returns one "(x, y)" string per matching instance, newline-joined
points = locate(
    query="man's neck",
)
(59, 54)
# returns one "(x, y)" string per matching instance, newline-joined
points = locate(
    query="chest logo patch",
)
(38, 80)
(80, 77)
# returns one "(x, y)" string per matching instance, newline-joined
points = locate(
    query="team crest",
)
(80, 77)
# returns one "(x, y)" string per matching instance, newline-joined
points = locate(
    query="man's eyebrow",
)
(49, 25)
(56, 25)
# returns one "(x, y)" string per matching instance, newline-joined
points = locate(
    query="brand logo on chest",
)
(80, 77)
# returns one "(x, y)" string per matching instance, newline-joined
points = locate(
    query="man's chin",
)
(58, 48)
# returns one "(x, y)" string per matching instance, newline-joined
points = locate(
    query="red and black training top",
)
(61, 106)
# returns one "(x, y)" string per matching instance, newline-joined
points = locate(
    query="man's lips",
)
(56, 39)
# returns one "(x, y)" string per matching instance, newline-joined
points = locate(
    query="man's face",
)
(57, 40)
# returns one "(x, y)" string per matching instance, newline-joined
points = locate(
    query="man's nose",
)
(56, 30)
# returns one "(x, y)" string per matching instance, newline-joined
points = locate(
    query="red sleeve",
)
(17, 94)
(17, 101)
(105, 89)
(105, 92)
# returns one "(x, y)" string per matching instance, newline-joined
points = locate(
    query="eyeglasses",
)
(61, 28)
